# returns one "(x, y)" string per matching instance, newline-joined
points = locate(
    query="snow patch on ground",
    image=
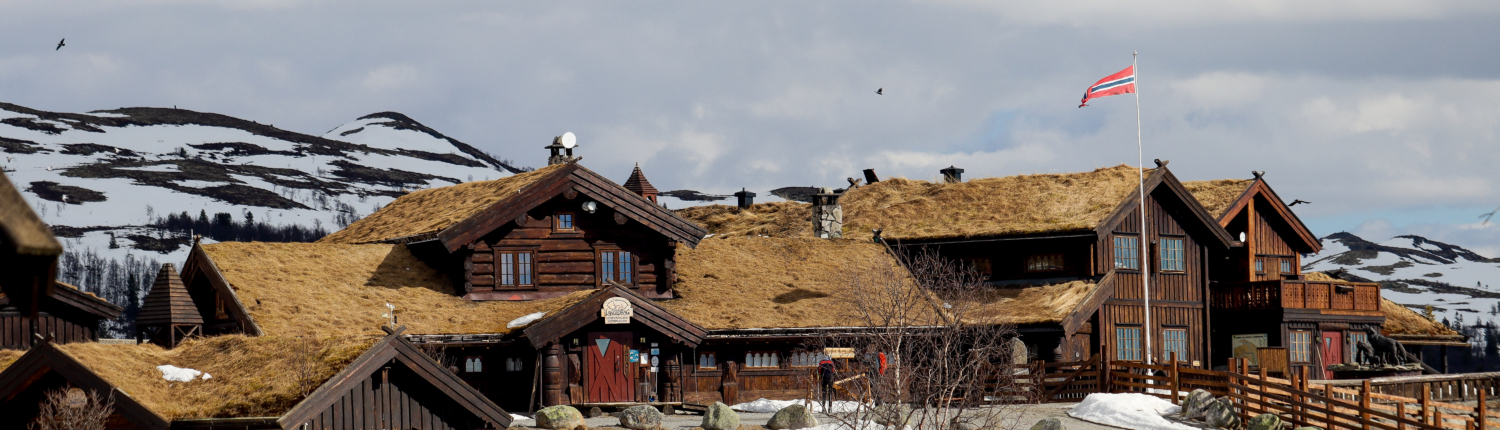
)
(771, 406)
(1134, 411)
(180, 374)
(528, 319)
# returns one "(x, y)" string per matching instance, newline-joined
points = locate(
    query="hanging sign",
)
(616, 310)
(839, 352)
(654, 362)
(635, 355)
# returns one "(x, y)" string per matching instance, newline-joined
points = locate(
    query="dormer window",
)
(563, 221)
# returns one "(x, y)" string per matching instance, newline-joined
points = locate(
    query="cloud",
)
(1106, 13)
(390, 77)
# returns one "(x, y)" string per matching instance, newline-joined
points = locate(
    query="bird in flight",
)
(60, 44)
(1488, 216)
(1298, 202)
(880, 91)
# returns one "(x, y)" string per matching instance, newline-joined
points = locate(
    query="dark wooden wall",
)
(1007, 258)
(566, 261)
(17, 412)
(1177, 298)
(68, 326)
(395, 398)
(703, 386)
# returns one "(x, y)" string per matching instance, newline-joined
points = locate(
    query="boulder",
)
(595, 412)
(1220, 413)
(1048, 424)
(640, 418)
(792, 417)
(720, 417)
(667, 410)
(890, 415)
(1196, 403)
(963, 423)
(1264, 422)
(559, 417)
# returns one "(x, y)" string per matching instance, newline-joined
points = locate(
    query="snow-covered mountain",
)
(1414, 271)
(126, 186)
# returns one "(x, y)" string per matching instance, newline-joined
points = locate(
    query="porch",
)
(1298, 294)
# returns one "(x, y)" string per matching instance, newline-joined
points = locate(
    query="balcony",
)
(1285, 294)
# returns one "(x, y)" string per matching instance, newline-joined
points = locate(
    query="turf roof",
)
(433, 210)
(21, 231)
(1217, 195)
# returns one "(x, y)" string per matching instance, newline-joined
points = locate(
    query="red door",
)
(1332, 350)
(606, 371)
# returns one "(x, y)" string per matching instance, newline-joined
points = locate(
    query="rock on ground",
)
(792, 417)
(559, 417)
(891, 415)
(1196, 403)
(1264, 422)
(595, 412)
(720, 417)
(1048, 424)
(640, 417)
(1221, 414)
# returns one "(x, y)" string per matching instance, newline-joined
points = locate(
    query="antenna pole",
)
(1141, 172)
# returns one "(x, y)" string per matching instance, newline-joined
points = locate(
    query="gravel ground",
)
(1030, 414)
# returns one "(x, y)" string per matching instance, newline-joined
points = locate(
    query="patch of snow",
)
(519, 417)
(1134, 411)
(179, 374)
(528, 319)
(770, 406)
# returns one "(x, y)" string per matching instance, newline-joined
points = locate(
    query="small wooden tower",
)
(639, 185)
(168, 316)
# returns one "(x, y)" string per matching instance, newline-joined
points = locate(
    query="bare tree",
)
(946, 361)
(73, 409)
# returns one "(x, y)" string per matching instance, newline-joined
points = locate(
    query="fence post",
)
(1364, 403)
(1104, 377)
(1041, 380)
(1426, 398)
(1481, 407)
(1400, 414)
(1176, 380)
(1437, 417)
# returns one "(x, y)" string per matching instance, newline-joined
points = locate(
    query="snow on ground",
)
(180, 374)
(771, 406)
(1134, 411)
(527, 319)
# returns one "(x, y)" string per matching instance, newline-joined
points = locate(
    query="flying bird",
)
(60, 44)
(1488, 216)
(1298, 202)
(880, 91)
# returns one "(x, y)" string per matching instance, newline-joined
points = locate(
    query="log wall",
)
(395, 398)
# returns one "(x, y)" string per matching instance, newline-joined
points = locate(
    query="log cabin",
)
(32, 302)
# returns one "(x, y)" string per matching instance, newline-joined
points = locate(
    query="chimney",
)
(828, 215)
(639, 185)
(746, 198)
(870, 177)
(952, 175)
(561, 152)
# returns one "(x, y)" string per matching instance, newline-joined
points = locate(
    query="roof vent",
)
(952, 175)
(828, 214)
(746, 198)
(562, 149)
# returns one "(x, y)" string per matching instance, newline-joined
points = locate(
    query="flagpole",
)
(1141, 173)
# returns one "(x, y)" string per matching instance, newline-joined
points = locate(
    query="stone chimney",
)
(746, 198)
(827, 214)
(639, 185)
(953, 175)
(560, 154)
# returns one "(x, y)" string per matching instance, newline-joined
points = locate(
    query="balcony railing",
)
(1287, 294)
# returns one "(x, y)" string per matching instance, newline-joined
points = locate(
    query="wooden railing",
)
(1298, 295)
(1459, 387)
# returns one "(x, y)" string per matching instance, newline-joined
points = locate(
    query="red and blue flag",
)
(1116, 84)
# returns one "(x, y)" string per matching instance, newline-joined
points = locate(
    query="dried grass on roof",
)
(1217, 195)
(432, 210)
(1028, 305)
(21, 231)
(778, 219)
(738, 282)
(9, 356)
(1319, 277)
(252, 376)
(1401, 320)
(321, 289)
(1024, 204)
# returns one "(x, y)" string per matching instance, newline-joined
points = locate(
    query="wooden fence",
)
(1325, 404)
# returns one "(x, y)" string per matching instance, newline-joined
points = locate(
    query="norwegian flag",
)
(1118, 83)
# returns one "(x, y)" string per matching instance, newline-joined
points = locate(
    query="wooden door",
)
(607, 372)
(1332, 350)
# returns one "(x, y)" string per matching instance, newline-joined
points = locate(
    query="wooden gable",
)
(1271, 211)
(586, 312)
(1163, 179)
(44, 368)
(28, 251)
(68, 314)
(395, 385)
(219, 307)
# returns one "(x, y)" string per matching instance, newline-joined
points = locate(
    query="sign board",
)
(653, 344)
(1245, 345)
(634, 355)
(839, 352)
(655, 361)
(655, 351)
(75, 398)
(653, 369)
(616, 310)
(645, 360)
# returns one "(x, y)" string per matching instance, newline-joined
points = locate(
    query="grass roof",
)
(1036, 304)
(433, 210)
(325, 289)
(21, 231)
(1402, 320)
(252, 376)
(1217, 195)
(738, 282)
(779, 219)
(1012, 205)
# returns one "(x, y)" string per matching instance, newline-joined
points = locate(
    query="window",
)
(980, 265)
(514, 268)
(1301, 349)
(1260, 265)
(473, 365)
(514, 364)
(762, 359)
(1286, 265)
(1044, 263)
(219, 312)
(804, 359)
(1174, 344)
(563, 221)
(1127, 343)
(1172, 259)
(1127, 252)
(1354, 338)
(707, 360)
(617, 266)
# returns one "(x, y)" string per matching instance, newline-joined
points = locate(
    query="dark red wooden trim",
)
(200, 264)
(46, 357)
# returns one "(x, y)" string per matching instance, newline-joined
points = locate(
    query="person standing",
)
(826, 373)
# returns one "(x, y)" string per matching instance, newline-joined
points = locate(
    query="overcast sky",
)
(1384, 114)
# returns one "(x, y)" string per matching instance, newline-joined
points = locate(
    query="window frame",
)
(1165, 253)
(557, 222)
(712, 357)
(1121, 351)
(982, 265)
(1036, 259)
(615, 266)
(473, 364)
(1286, 266)
(1260, 265)
(1133, 248)
(1167, 342)
(499, 271)
(1292, 346)
(808, 358)
(774, 358)
(1353, 337)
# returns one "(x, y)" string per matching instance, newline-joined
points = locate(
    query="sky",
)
(1384, 114)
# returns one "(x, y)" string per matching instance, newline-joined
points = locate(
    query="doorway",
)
(607, 370)
(1332, 351)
